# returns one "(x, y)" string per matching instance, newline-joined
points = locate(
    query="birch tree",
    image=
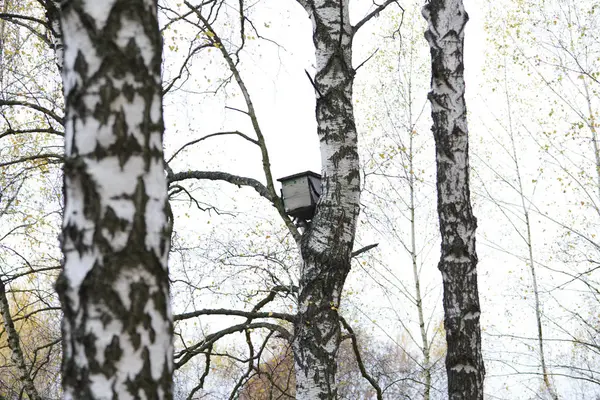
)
(117, 328)
(326, 247)
(464, 362)
(397, 197)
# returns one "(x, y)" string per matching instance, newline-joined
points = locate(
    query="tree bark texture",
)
(464, 363)
(117, 327)
(53, 22)
(326, 247)
(14, 343)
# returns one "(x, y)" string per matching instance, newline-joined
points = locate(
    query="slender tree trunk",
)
(529, 242)
(117, 327)
(326, 246)
(464, 362)
(425, 348)
(14, 344)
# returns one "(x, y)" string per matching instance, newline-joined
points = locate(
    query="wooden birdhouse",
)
(300, 193)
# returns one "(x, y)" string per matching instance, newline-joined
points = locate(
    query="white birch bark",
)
(458, 263)
(117, 327)
(326, 246)
(14, 343)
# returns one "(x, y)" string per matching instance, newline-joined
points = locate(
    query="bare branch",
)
(36, 107)
(11, 131)
(189, 353)
(272, 193)
(359, 361)
(222, 176)
(237, 109)
(16, 19)
(184, 65)
(10, 17)
(193, 142)
(374, 13)
(367, 60)
(52, 158)
(239, 313)
(271, 296)
(200, 385)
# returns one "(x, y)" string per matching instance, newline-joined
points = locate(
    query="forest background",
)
(532, 71)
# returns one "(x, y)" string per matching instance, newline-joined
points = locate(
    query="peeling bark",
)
(458, 263)
(326, 247)
(117, 327)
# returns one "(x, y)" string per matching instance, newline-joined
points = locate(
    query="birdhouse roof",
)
(298, 175)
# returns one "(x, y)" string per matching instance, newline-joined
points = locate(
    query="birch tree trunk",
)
(53, 20)
(326, 246)
(14, 344)
(458, 263)
(117, 327)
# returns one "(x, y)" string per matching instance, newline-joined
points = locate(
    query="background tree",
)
(547, 50)
(326, 247)
(29, 262)
(398, 197)
(458, 263)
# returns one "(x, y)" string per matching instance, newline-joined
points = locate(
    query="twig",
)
(368, 58)
(193, 142)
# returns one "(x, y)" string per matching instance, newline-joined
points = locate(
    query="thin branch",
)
(31, 314)
(272, 193)
(52, 158)
(359, 361)
(222, 176)
(237, 109)
(10, 16)
(15, 19)
(188, 354)
(367, 60)
(184, 65)
(200, 385)
(374, 13)
(11, 131)
(193, 142)
(36, 107)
